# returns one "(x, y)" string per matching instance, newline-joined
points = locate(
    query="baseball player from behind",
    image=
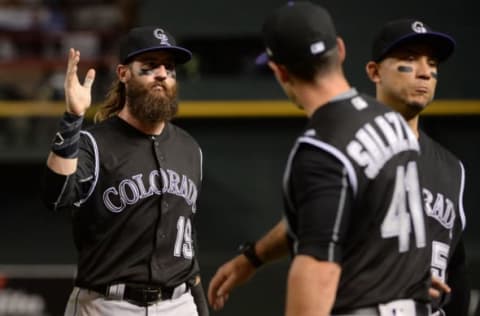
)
(351, 188)
(405, 57)
(132, 182)
(404, 66)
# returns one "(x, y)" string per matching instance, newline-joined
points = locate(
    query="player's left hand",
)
(438, 288)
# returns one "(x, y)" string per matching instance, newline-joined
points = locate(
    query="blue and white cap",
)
(405, 31)
(151, 38)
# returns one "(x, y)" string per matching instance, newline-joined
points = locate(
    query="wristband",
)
(248, 250)
(66, 141)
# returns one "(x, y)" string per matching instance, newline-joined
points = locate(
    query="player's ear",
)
(123, 73)
(342, 52)
(372, 71)
(280, 72)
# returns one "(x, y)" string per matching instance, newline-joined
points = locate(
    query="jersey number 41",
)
(405, 210)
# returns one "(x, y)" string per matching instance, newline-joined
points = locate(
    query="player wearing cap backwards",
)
(131, 182)
(404, 67)
(351, 188)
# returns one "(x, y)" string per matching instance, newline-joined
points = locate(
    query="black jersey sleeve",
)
(323, 199)
(60, 191)
(459, 300)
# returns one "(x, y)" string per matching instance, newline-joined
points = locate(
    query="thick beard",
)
(149, 107)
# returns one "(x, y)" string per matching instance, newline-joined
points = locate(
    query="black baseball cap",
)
(151, 38)
(405, 31)
(296, 32)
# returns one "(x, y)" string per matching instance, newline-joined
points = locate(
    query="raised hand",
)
(77, 96)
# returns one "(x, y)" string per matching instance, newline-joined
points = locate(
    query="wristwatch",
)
(248, 250)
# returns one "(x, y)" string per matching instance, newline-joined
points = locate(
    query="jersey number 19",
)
(183, 242)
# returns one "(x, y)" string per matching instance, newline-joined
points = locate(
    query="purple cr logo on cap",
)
(160, 34)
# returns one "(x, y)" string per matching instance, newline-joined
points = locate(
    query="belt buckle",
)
(151, 295)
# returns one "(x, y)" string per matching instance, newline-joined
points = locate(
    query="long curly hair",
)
(114, 102)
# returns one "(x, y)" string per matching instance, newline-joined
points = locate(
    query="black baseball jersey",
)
(443, 179)
(353, 196)
(134, 199)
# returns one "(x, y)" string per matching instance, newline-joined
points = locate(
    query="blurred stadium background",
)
(234, 109)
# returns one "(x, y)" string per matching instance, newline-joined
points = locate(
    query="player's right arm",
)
(323, 199)
(59, 183)
(237, 271)
(78, 99)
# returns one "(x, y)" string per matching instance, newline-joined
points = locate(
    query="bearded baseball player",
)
(404, 67)
(131, 182)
